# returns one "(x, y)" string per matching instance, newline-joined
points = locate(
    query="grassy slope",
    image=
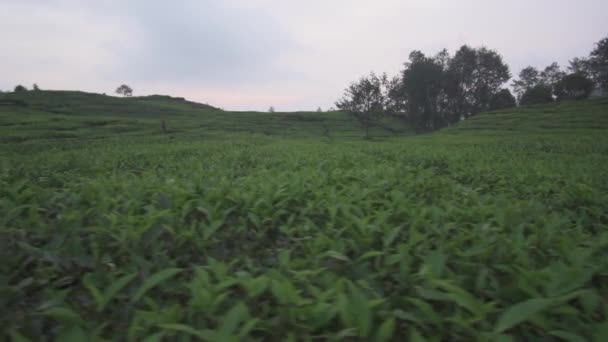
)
(64, 115)
(494, 228)
(570, 117)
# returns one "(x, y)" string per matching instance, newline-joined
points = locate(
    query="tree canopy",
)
(367, 99)
(502, 99)
(432, 92)
(598, 63)
(574, 87)
(540, 93)
(124, 90)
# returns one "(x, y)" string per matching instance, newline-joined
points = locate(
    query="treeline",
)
(432, 92)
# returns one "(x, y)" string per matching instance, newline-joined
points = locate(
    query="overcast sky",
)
(252, 54)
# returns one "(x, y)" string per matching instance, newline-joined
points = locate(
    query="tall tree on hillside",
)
(551, 75)
(534, 84)
(19, 88)
(124, 90)
(366, 100)
(395, 100)
(422, 87)
(598, 63)
(35, 87)
(491, 74)
(529, 77)
(502, 99)
(580, 66)
(459, 81)
(474, 77)
(538, 94)
(574, 87)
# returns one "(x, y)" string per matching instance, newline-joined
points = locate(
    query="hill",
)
(565, 117)
(495, 229)
(37, 115)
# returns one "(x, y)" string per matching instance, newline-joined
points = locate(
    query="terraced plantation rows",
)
(51, 115)
(494, 229)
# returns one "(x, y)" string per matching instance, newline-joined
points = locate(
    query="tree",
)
(271, 109)
(580, 66)
(474, 76)
(422, 92)
(19, 88)
(540, 93)
(366, 100)
(502, 99)
(529, 77)
(551, 76)
(124, 90)
(574, 87)
(598, 63)
(35, 87)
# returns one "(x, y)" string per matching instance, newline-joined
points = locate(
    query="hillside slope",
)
(495, 229)
(39, 115)
(565, 117)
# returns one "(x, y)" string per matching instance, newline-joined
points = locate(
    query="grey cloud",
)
(202, 42)
(250, 54)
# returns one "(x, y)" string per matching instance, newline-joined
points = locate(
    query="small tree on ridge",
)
(124, 90)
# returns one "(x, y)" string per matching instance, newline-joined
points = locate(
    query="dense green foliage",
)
(537, 87)
(253, 226)
(367, 100)
(431, 92)
(503, 100)
(574, 87)
(20, 88)
(598, 63)
(539, 94)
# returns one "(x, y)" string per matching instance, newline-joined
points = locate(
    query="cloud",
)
(203, 42)
(53, 43)
(244, 54)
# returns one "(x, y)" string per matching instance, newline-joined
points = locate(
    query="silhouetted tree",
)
(502, 99)
(598, 63)
(530, 82)
(574, 87)
(271, 109)
(35, 87)
(422, 92)
(529, 77)
(551, 76)
(124, 90)
(474, 76)
(395, 98)
(20, 88)
(366, 100)
(580, 66)
(540, 93)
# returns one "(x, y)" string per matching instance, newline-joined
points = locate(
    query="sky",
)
(253, 54)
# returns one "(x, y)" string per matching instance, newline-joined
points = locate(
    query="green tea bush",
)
(479, 233)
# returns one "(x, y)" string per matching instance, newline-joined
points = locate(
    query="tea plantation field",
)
(285, 227)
